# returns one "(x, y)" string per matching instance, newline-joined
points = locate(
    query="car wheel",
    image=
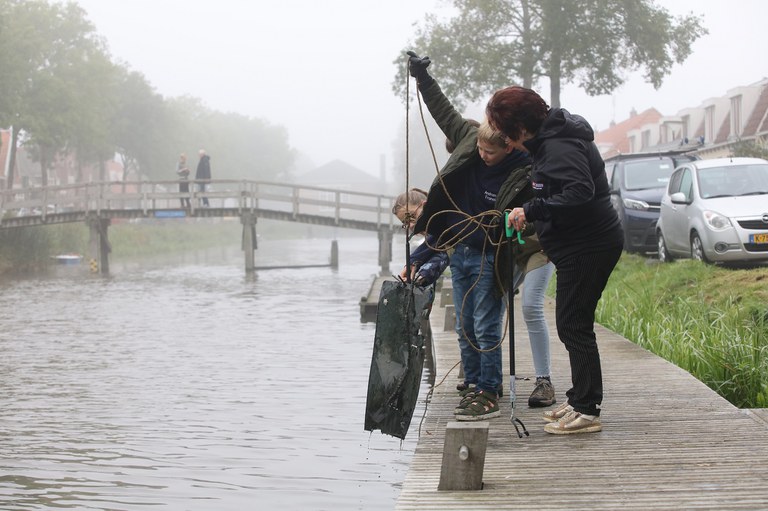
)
(697, 248)
(664, 255)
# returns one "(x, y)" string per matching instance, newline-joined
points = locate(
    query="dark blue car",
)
(638, 181)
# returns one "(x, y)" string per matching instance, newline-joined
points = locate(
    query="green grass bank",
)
(709, 320)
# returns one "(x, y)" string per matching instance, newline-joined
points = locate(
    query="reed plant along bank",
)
(709, 320)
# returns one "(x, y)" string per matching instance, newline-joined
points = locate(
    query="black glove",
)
(417, 67)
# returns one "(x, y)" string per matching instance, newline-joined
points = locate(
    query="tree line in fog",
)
(61, 92)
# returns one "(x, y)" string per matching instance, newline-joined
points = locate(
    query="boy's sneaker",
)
(558, 413)
(484, 405)
(574, 422)
(543, 394)
(467, 396)
(467, 388)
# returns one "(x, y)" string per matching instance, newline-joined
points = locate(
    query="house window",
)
(736, 126)
(646, 139)
(632, 145)
(709, 123)
(686, 119)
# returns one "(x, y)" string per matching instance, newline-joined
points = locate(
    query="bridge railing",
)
(239, 195)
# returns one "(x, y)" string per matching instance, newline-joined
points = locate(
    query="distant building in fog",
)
(614, 140)
(340, 175)
(710, 130)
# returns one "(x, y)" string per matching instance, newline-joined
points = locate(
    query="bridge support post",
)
(385, 251)
(99, 242)
(249, 240)
(335, 254)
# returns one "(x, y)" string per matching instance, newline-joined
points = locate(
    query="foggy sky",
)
(323, 69)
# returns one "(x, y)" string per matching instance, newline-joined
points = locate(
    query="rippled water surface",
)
(185, 385)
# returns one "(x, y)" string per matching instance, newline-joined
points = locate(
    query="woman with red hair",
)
(578, 229)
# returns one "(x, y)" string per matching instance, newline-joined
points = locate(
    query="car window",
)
(674, 182)
(733, 181)
(641, 175)
(686, 183)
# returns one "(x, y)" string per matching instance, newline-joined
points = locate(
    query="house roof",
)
(336, 172)
(614, 140)
(758, 120)
(5, 142)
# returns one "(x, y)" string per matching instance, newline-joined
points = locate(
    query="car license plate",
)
(759, 238)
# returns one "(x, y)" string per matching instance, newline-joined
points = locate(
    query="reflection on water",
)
(189, 386)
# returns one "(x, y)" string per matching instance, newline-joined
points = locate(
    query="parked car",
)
(638, 181)
(716, 211)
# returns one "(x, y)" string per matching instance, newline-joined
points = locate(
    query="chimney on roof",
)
(612, 123)
(632, 112)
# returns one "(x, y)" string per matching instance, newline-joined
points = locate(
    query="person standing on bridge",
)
(482, 177)
(203, 174)
(182, 170)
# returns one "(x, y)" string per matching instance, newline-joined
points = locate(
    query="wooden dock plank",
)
(668, 441)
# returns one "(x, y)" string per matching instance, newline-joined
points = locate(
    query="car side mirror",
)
(678, 198)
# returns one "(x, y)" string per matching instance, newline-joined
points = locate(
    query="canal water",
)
(183, 384)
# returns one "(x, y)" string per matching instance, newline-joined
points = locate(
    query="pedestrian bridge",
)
(97, 204)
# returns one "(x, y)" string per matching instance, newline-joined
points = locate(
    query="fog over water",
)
(324, 69)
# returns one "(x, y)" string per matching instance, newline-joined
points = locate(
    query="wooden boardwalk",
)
(668, 441)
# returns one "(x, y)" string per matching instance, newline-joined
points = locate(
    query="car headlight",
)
(716, 221)
(636, 204)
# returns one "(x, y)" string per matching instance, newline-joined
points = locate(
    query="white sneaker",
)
(574, 422)
(558, 413)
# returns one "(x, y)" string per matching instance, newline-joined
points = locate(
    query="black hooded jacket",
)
(572, 208)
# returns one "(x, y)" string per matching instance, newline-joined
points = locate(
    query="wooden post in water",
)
(249, 242)
(463, 456)
(99, 242)
(385, 250)
(334, 254)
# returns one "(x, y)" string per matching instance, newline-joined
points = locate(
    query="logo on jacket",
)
(537, 186)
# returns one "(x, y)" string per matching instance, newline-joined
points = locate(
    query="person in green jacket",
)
(482, 177)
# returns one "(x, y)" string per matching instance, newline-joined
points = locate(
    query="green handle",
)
(511, 231)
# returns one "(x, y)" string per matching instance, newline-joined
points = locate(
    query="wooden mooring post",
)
(385, 250)
(463, 456)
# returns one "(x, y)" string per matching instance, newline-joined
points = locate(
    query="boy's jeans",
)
(479, 313)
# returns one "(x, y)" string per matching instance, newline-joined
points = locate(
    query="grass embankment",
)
(710, 321)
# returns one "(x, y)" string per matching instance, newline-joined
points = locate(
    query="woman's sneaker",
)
(558, 413)
(574, 422)
(484, 405)
(543, 394)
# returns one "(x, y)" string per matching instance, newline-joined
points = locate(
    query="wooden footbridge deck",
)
(668, 441)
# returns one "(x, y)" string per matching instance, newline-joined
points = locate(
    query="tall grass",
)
(710, 321)
(27, 249)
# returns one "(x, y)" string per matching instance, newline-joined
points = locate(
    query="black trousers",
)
(580, 282)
